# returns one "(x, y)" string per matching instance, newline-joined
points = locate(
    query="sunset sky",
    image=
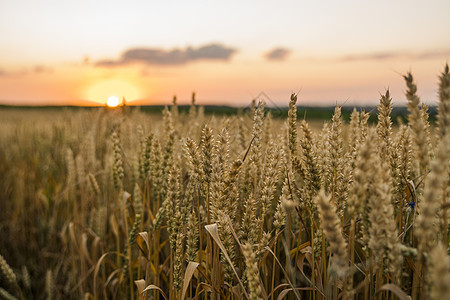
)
(82, 52)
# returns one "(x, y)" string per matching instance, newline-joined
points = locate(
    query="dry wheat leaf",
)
(394, 289)
(142, 238)
(154, 287)
(190, 269)
(212, 230)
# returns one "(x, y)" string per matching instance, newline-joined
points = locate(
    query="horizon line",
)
(97, 105)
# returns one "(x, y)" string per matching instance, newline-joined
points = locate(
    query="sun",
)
(103, 91)
(112, 101)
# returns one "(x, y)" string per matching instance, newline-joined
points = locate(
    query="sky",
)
(59, 52)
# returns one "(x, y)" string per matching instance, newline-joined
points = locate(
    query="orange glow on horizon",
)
(323, 82)
(119, 88)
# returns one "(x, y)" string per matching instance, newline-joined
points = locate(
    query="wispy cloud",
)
(5, 73)
(42, 69)
(397, 55)
(157, 56)
(38, 69)
(277, 54)
(435, 54)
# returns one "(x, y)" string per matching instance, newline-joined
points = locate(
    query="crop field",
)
(120, 204)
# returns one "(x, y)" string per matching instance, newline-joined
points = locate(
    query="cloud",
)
(4, 73)
(396, 55)
(86, 60)
(38, 69)
(277, 54)
(157, 56)
(42, 69)
(435, 54)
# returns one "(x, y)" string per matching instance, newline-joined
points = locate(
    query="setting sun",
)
(106, 89)
(112, 101)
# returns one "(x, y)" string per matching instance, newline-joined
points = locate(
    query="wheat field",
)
(118, 204)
